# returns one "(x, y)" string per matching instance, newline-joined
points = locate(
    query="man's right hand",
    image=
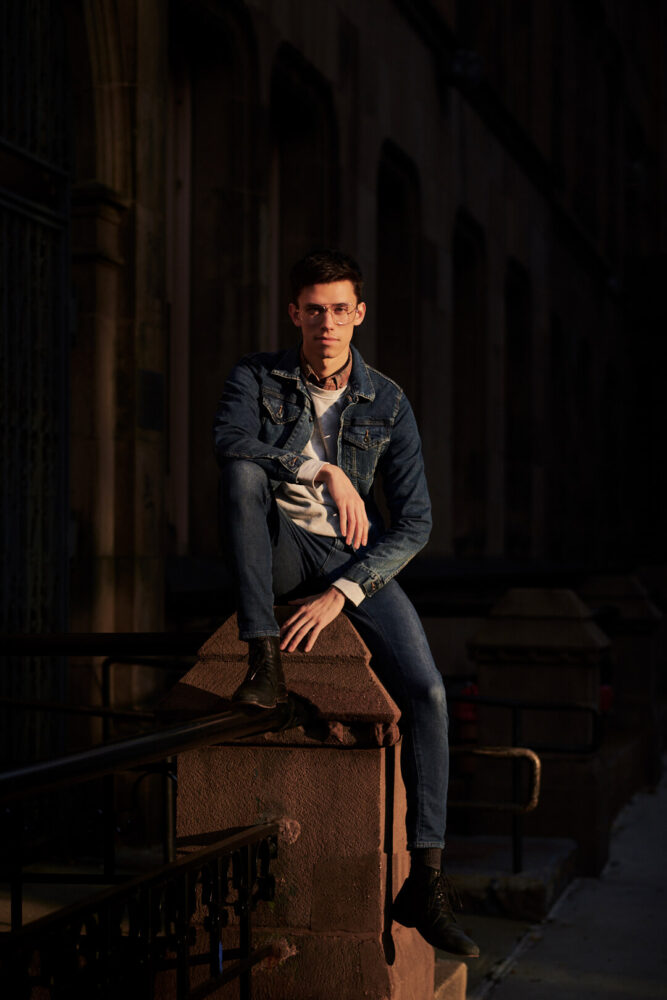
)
(351, 508)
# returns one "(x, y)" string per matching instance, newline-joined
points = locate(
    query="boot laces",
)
(443, 892)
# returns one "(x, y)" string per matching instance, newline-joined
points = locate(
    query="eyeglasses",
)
(341, 313)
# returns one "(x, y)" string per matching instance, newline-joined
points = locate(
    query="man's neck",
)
(323, 367)
(328, 377)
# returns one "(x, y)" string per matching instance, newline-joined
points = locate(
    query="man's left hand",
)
(315, 613)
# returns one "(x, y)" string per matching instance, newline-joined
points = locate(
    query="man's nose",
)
(327, 319)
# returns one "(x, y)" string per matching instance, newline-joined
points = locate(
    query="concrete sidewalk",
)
(605, 938)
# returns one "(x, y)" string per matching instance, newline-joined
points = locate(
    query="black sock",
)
(425, 857)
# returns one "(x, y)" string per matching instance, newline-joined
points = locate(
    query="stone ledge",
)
(451, 979)
(480, 868)
(335, 679)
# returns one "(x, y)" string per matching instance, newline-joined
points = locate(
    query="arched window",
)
(304, 179)
(518, 412)
(469, 392)
(397, 306)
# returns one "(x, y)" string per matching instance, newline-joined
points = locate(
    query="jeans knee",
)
(242, 479)
(434, 699)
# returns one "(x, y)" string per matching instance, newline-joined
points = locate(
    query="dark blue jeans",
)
(272, 560)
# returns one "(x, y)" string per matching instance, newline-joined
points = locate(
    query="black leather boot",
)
(423, 902)
(264, 684)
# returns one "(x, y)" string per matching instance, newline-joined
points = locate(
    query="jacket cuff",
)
(292, 462)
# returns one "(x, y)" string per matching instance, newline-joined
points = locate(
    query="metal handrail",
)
(148, 919)
(45, 776)
(510, 753)
(134, 647)
(516, 707)
(136, 752)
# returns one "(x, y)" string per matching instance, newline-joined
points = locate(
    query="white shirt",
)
(306, 502)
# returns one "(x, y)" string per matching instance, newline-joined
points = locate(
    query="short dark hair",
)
(321, 267)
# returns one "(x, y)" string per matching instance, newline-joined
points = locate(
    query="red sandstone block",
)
(349, 968)
(337, 797)
(451, 979)
(348, 894)
(335, 677)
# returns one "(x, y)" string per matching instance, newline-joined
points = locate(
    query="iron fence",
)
(169, 922)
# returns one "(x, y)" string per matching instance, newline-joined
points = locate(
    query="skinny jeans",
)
(274, 560)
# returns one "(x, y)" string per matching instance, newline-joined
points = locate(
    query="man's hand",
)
(351, 508)
(314, 614)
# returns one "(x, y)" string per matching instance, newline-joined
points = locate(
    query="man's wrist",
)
(350, 590)
(324, 473)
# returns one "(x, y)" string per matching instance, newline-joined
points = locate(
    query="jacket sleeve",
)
(238, 425)
(406, 493)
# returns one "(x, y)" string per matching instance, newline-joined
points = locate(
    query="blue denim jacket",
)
(265, 416)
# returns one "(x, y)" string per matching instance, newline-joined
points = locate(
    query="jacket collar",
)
(360, 383)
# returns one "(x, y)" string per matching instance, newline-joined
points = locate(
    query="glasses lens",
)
(342, 313)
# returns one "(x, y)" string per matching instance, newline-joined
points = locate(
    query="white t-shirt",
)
(306, 502)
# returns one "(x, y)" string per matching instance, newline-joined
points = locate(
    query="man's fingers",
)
(361, 528)
(314, 615)
(358, 528)
(292, 638)
(314, 632)
(290, 628)
(351, 524)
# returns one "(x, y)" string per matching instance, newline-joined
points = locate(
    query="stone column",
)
(335, 787)
(542, 645)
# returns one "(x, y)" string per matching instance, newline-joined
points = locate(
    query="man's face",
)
(325, 337)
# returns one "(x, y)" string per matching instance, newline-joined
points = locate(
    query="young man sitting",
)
(301, 436)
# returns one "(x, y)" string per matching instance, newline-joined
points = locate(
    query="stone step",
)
(451, 979)
(481, 870)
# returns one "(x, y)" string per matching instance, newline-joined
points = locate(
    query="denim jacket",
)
(265, 416)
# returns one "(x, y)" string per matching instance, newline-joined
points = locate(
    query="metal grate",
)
(34, 361)
(33, 105)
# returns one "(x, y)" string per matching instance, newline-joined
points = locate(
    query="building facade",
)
(497, 166)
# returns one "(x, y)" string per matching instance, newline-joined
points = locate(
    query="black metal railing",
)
(156, 752)
(161, 651)
(143, 924)
(517, 753)
(169, 923)
(138, 752)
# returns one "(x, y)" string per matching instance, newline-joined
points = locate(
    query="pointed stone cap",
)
(625, 594)
(335, 677)
(543, 620)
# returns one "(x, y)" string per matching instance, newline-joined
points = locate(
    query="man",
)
(301, 436)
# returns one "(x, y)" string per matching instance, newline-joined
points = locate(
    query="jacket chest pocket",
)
(363, 443)
(279, 416)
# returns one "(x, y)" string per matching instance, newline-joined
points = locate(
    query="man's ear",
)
(361, 313)
(293, 311)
